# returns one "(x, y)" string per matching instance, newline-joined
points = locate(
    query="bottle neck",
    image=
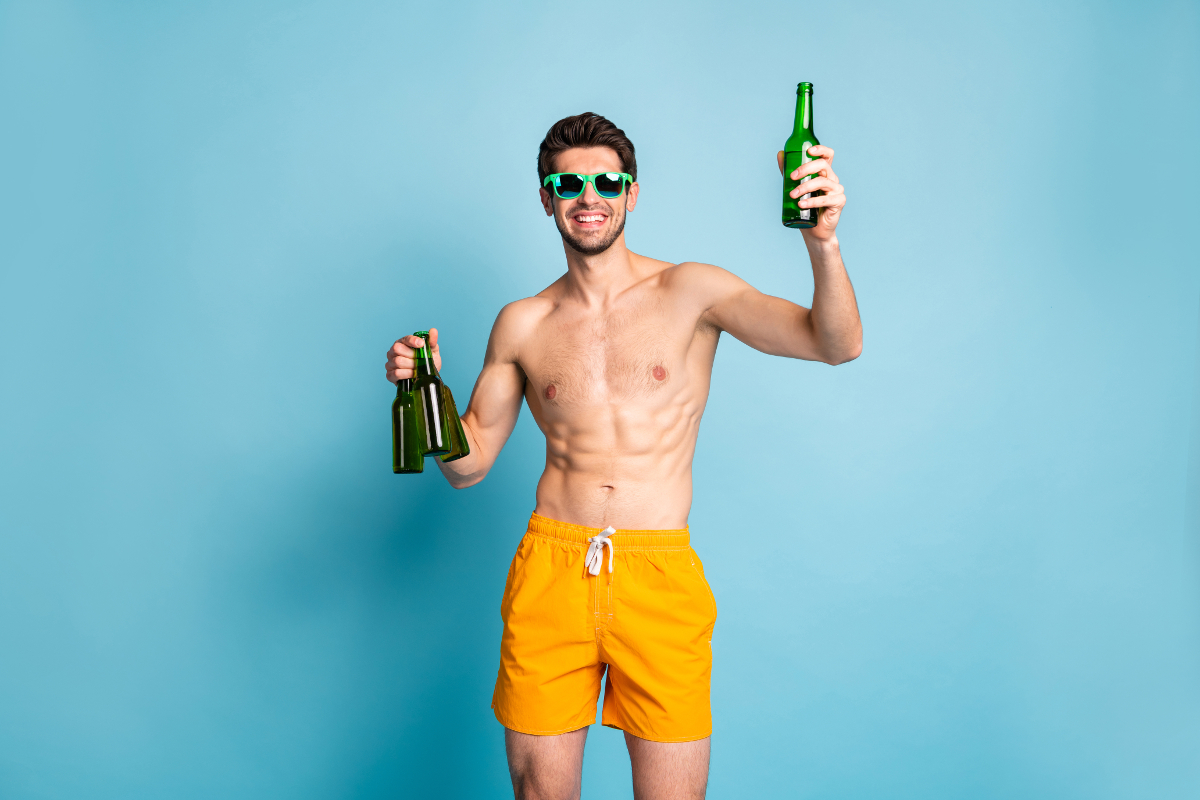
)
(804, 109)
(424, 366)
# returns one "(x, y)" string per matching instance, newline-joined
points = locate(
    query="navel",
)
(550, 392)
(660, 374)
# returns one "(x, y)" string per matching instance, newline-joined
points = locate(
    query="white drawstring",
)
(595, 553)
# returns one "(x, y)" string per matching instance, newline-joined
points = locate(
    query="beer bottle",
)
(458, 439)
(443, 428)
(795, 153)
(407, 433)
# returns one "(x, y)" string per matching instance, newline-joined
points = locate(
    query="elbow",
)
(465, 481)
(844, 354)
(462, 480)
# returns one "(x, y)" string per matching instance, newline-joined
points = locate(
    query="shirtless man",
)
(614, 359)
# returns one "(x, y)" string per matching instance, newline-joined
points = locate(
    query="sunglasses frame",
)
(626, 181)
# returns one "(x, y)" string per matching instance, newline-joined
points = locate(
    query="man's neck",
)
(598, 279)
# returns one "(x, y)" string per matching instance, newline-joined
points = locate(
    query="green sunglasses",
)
(569, 185)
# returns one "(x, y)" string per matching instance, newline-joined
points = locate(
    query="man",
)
(614, 359)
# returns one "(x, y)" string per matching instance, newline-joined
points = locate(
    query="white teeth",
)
(590, 218)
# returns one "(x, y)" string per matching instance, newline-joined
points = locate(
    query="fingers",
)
(821, 151)
(816, 185)
(400, 349)
(404, 346)
(399, 365)
(401, 362)
(398, 368)
(833, 198)
(412, 342)
(401, 356)
(397, 375)
(779, 157)
(830, 200)
(818, 166)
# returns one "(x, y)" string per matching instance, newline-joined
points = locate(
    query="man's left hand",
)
(825, 180)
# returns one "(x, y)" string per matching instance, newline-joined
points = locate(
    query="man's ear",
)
(547, 203)
(631, 196)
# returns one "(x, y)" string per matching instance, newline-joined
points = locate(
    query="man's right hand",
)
(400, 359)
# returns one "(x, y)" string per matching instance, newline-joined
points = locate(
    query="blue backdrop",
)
(966, 565)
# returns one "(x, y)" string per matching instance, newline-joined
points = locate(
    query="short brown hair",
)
(584, 130)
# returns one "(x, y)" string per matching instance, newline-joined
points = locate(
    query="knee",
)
(527, 787)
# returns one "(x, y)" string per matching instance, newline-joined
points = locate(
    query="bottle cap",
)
(423, 334)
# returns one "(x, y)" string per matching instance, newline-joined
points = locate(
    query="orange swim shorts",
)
(580, 601)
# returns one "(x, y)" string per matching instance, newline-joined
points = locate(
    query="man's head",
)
(587, 144)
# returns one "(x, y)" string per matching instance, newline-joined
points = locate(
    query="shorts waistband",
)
(624, 538)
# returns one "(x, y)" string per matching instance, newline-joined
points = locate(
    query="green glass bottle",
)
(458, 438)
(443, 428)
(795, 153)
(408, 434)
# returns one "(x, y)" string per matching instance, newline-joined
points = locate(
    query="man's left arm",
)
(831, 330)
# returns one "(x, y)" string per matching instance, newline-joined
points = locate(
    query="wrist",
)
(821, 246)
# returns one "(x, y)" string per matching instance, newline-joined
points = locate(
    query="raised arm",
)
(495, 400)
(831, 330)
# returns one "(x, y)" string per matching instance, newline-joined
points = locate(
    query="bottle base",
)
(799, 223)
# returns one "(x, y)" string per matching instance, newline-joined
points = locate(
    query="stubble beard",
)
(591, 246)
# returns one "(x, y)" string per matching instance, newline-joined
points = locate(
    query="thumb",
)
(779, 158)
(433, 337)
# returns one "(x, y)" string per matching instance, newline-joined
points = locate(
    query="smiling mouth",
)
(590, 220)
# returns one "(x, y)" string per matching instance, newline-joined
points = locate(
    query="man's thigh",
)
(545, 767)
(668, 770)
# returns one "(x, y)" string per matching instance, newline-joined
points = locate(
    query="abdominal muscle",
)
(627, 464)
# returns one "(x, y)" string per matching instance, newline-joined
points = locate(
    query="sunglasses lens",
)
(609, 185)
(568, 186)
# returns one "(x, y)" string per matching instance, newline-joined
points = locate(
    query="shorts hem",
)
(658, 739)
(532, 732)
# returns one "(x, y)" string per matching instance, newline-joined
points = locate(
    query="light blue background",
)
(966, 565)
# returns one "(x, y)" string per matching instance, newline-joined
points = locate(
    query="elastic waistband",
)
(624, 539)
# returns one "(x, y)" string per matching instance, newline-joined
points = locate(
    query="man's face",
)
(589, 224)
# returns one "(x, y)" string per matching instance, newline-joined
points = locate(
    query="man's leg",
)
(668, 770)
(545, 767)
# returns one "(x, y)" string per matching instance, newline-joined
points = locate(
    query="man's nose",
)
(589, 194)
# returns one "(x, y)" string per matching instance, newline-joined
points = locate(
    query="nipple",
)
(550, 392)
(660, 374)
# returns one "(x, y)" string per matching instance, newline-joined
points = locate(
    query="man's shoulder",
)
(701, 281)
(528, 311)
(697, 270)
(681, 274)
(519, 320)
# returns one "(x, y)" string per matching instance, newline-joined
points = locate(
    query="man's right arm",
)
(495, 401)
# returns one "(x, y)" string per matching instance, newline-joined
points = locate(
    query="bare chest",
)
(591, 362)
